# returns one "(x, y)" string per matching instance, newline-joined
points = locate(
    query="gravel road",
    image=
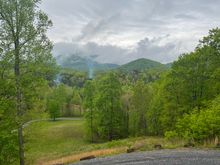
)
(160, 157)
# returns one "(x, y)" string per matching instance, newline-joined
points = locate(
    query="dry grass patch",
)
(77, 157)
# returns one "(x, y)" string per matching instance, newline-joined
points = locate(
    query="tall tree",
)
(108, 104)
(56, 101)
(192, 81)
(89, 97)
(140, 100)
(26, 49)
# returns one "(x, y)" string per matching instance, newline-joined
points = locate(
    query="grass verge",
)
(48, 143)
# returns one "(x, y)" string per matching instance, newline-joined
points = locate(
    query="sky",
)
(119, 31)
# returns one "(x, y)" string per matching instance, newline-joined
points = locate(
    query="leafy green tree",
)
(8, 142)
(27, 51)
(67, 112)
(126, 107)
(140, 100)
(77, 100)
(201, 125)
(73, 78)
(53, 107)
(108, 105)
(8, 138)
(192, 82)
(90, 114)
(56, 101)
(155, 109)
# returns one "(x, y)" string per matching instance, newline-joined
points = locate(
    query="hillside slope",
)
(140, 65)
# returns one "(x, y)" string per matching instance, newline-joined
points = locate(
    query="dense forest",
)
(182, 101)
(140, 99)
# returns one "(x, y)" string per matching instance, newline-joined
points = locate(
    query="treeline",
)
(64, 101)
(105, 117)
(181, 102)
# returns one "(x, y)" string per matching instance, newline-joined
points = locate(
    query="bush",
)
(170, 135)
(201, 125)
(8, 143)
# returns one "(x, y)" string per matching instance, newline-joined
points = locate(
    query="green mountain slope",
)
(89, 65)
(140, 65)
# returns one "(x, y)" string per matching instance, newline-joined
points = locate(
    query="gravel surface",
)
(160, 157)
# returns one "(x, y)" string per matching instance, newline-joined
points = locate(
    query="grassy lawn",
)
(47, 140)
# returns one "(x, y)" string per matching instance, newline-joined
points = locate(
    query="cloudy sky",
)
(118, 31)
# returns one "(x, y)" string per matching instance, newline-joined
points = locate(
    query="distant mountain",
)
(169, 65)
(83, 63)
(89, 65)
(140, 65)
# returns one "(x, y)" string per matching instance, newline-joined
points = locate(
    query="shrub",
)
(170, 135)
(201, 125)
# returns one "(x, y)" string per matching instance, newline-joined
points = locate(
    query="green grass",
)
(48, 140)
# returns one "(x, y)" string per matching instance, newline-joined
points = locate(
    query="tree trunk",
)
(92, 139)
(21, 145)
(18, 100)
(111, 118)
(127, 121)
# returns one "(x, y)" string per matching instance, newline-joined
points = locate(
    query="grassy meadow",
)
(48, 142)
(47, 139)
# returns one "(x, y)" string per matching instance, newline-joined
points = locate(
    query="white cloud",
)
(122, 30)
(155, 49)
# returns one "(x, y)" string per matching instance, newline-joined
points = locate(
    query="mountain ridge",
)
(140, 64)
(87, 64)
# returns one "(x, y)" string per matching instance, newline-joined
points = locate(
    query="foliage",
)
(72, 78)
(110, 114)
(173, 102)
(90, 113)
(54, 109)
(140, 65)
(140, 98)
(56, 100)
(201, 125)
(186, 89)
(8, 142)
(171, 135)
(141, 101)
(26, 61)
(106, 107)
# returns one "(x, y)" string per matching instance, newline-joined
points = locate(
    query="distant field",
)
(64, 141)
